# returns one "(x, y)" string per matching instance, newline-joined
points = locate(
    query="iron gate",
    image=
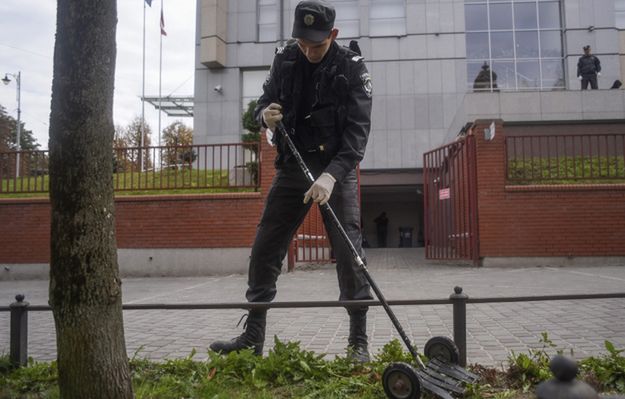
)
(450, 199)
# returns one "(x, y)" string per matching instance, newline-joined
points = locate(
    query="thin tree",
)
(133, 137)
(85, 288)
(178, 138)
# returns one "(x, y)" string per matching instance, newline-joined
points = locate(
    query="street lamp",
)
(18, 80)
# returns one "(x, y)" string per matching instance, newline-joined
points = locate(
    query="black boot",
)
(357, 348)
(252, 338)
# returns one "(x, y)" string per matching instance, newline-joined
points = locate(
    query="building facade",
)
(435, 65)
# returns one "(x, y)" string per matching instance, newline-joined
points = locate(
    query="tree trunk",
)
(85, 289)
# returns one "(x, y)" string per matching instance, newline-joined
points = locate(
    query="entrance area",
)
(392, 208)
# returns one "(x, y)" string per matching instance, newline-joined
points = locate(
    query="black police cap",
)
(314, 19)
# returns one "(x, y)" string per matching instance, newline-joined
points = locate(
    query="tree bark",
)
(85, 288)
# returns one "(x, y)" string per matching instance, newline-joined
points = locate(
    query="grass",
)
(167, 181)
(288, 371)
(567, 170)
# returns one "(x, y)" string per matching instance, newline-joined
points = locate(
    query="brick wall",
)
(177, 221)
(544, 220)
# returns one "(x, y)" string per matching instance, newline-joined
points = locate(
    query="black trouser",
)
(284, 211)
(589, 78)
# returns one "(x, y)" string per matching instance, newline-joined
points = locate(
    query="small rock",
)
(563, 368)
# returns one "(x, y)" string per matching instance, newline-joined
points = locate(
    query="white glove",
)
(321, 189)
(579, 78)
(598, 73)
(272, 115)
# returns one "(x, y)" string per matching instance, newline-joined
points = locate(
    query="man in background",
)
(588, 68)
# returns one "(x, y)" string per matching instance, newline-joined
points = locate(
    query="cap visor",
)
(311, 35)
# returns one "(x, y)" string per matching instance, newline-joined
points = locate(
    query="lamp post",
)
(18, 80)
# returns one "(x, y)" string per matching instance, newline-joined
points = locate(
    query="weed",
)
(608, 370)
(289, 371)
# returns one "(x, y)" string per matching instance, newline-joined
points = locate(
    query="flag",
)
(149, 2)
(162, 22)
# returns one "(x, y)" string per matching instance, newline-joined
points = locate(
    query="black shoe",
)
(252, 338)
(357, 349)
(358, 353)
(236, 344)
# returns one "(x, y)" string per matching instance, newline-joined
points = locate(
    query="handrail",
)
(335, 304)
(20, 309)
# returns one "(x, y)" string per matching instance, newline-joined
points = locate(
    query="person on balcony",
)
(322, 93)
(588, 69)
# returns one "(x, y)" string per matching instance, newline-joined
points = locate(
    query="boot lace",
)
(245, 315)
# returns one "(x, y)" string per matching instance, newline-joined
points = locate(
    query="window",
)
(252, 85)
(619, 12)
(387, 17)
(347, 18)
(267, 20)
(514, 44)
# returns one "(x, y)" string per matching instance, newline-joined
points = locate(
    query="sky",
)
(27, 34)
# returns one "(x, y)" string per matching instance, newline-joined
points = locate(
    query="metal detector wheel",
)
(400, 381)
(442, 348)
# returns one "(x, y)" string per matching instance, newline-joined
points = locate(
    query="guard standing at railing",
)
(322, 93)
(588, 69)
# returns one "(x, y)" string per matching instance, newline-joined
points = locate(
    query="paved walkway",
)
(493, 329)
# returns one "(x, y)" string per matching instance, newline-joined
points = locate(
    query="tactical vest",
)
(328, 112)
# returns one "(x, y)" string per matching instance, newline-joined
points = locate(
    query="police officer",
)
(588, 68)
(322, 93)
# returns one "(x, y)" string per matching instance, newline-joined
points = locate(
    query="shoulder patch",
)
(366, 84)
(279, 50)
(357, 58)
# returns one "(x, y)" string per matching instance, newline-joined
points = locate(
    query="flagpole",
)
(160, 76)
(142, 142)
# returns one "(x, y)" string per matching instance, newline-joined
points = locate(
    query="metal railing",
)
(567, 158)
(206, 166)
(18, 353)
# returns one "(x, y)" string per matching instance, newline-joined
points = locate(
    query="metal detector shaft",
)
(335, 220)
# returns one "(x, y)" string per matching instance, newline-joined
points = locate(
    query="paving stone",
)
(493, 329)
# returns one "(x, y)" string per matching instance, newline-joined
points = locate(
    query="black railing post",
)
(19, 331)
(459, 300)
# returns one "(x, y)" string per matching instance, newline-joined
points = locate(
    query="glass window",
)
(521, 47)
(527, 44)
(550, 43)
(528, 74)
(502, 44)
(501, 16)
(549, 15)
(503, 75)
(477, 46)
(476, 17)
(347, 18)
(525, 16)
(387, 17)
(553, 74)
(252, 85)
(267, 20)
(482, 76)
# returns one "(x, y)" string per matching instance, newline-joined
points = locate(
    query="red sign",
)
(443, 193)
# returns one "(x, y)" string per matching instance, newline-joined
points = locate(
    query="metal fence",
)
(18, 353)
(206, 166)
(544, 159)
(450, 201)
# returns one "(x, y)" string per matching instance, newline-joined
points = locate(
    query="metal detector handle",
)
(335, 220)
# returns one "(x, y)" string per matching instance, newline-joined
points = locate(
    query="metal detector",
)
(442, 375)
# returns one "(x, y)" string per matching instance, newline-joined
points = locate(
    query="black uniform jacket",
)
(340, 117)
(588, 65)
